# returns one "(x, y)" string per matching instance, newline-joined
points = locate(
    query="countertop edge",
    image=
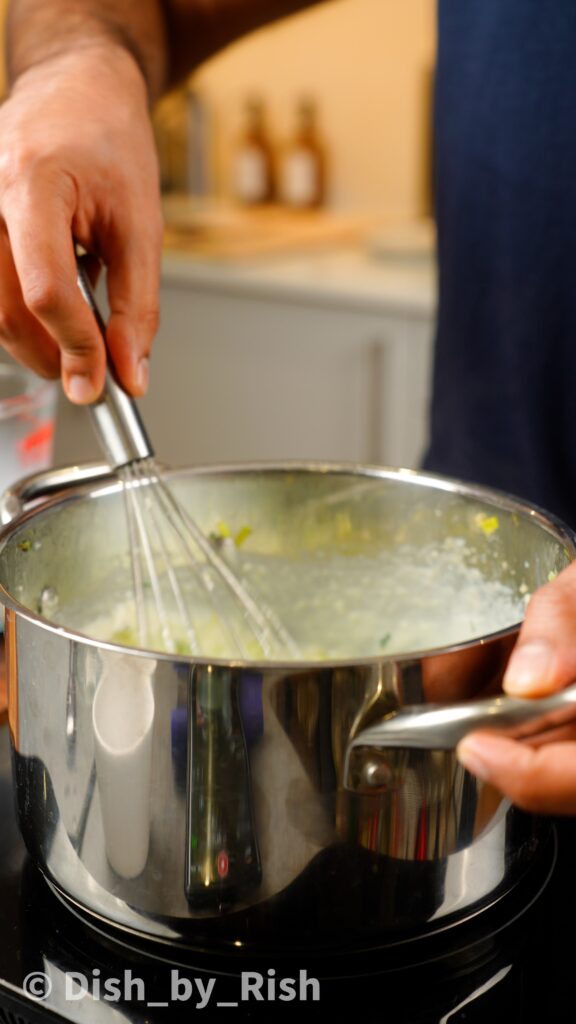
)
(345, 278)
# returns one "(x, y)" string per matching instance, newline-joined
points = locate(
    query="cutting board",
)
(235, 233)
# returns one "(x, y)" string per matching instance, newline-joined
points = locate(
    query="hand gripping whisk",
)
(175, 567)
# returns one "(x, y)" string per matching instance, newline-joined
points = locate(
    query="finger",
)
(42, 247)
(544, 658)
(541, 780)
(562, 734)
(20, 333)
(133, 295)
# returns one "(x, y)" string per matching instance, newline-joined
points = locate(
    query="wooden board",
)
(234, 233)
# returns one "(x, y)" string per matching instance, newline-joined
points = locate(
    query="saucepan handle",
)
(442, 726)
(37, 488)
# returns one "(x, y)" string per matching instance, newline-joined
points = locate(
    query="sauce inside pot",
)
(335, 606)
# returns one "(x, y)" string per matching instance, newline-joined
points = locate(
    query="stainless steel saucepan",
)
(264, 805)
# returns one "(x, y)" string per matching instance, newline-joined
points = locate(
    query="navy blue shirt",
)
(504, 407)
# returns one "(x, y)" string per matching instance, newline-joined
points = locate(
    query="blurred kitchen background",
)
(298, 286)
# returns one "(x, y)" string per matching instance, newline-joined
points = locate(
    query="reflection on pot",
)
(420, 804)
(222, 856)
(123, 720)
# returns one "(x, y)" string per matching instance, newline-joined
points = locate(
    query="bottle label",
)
(300, 178)
(250, 175)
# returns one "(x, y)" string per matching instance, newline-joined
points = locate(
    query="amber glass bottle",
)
(253, 166)
(303, 171)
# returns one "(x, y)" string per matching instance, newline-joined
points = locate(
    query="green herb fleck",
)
(124, 636)
(25, 545)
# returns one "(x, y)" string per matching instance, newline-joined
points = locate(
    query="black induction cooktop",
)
(509, 963)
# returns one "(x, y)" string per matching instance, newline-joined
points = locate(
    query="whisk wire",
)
(136, 557)
(143, 545)
(270, 634)
(150, 509)
(166, 566)
(146, 475)
(153, 509)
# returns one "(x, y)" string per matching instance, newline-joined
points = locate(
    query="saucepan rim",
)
(110, 483)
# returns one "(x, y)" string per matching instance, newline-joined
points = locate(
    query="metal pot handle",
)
(36, 488)
(442, 726)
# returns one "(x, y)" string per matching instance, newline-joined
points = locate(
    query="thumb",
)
(544, 658)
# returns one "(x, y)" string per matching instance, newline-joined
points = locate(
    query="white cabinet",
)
(270, 365)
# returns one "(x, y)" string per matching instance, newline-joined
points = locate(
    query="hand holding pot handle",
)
(442, 726)
(522, 743)
(539, 776)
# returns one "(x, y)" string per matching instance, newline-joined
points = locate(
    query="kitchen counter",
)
(316, 255)
(337, 276)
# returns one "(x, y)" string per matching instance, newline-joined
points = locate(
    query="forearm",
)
(42, 30)
(167, 38)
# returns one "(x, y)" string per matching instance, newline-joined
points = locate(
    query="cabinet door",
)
(240, 377)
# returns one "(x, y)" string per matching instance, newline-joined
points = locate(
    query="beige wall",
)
(368, 62)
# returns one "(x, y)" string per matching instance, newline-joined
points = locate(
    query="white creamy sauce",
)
(340, 606)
